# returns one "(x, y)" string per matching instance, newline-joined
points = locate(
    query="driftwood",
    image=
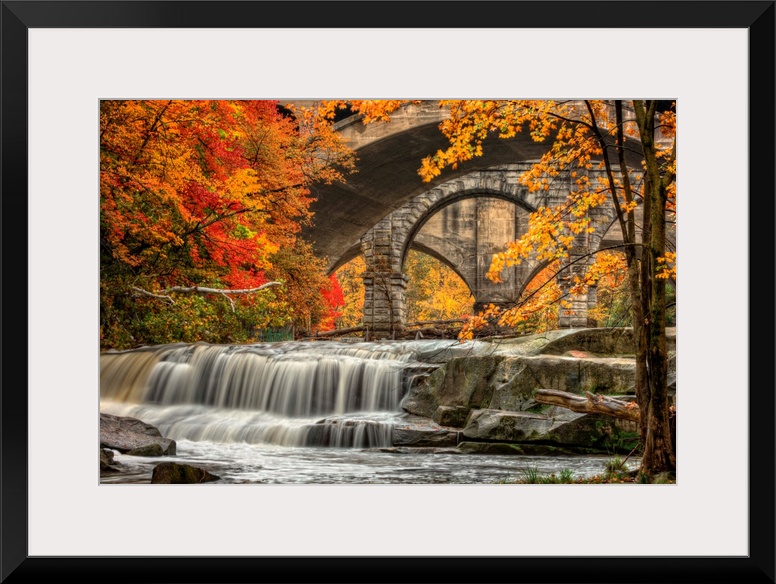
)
(590, 403)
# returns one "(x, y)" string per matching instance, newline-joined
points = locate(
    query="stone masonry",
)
(463, 222)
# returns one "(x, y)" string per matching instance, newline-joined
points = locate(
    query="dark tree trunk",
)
(658, 455)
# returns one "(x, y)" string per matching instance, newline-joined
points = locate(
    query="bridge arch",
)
(389, 156)
(381, 209)
(501, 208)
(434, 253)
(426, 206)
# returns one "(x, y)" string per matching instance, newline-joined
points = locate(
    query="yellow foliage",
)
(578, 133)
(666, 266)
(434, 291)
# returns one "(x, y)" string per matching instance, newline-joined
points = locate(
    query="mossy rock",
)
(107, 464)
(172, 473)
(451, 416)
(147, 450)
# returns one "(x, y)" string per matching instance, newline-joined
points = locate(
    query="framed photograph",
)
(62, 59)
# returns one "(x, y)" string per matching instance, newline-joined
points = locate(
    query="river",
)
(297, 413)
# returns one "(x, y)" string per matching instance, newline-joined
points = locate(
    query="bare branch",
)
(164, 294)
(152, 295)
(203, 290)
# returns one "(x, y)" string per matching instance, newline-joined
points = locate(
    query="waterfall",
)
(291, 393)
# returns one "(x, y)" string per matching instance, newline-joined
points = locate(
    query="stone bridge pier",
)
(385, 286)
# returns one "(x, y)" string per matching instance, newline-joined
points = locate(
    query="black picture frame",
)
(17, 566)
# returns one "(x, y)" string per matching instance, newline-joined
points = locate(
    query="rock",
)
(125, 434)
(435, 437)
(602, 341)
(148, 450)
(507, 383)
(107, 464)
(491, 394)
(601, 432)
(422, 398)
(570, 432)
(451, 416)
(525, 449)
(503, 426)
(462, 382)
(172, 473)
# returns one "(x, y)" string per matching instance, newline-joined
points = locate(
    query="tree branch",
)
(164, 294)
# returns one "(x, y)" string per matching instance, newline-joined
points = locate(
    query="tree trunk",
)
(658, 455)
(634, 257)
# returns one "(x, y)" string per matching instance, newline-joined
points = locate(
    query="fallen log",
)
(590, 403)
(336, 332)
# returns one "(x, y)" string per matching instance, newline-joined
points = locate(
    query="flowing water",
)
(295, 412)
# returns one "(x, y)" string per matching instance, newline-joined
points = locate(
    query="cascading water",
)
(289, 394)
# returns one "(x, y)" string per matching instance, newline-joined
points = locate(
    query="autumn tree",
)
(632, 145)
(201, 198)
(350, 278)
(434, 291)
(314, 300)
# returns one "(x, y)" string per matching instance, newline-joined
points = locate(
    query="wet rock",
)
(604, 433)
(570, 432)
(424, 437)
(107, 464)
(451, 416)
(499, 425)
(148, 450)
(172, 473)
(462, 382)
(508, 383)
(125, 434)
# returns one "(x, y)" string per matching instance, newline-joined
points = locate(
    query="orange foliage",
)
(205, 192)
(577, 131)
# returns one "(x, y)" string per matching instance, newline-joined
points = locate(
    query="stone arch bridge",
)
(462, 217)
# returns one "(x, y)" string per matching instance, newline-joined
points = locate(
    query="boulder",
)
(125, 434)
(451, 416)
(602, 341)
(107, 464)
(604, 433)
(504, 426)
(435, 437)
(461, 382)
(148, 450)
(172, 473)
(570, 432)
(507, 383)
